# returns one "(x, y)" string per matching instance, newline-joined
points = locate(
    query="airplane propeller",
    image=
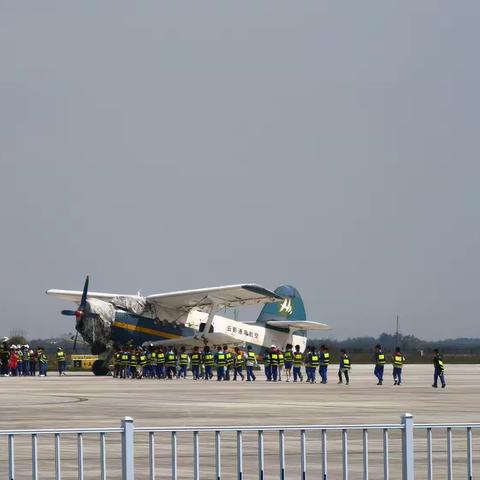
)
(80, 312)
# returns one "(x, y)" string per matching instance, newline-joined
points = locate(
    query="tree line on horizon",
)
(407, 343)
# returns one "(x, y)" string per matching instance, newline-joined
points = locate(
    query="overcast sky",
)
(175, 145)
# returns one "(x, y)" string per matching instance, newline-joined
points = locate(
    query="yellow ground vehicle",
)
(83, 361)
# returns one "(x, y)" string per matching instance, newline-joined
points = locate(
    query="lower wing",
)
(300, 325)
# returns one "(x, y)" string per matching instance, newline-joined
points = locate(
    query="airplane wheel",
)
(99, 368)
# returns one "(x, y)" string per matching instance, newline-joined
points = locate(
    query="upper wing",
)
(216, 297)
(76, 295)
(199, 340)
(301, 325)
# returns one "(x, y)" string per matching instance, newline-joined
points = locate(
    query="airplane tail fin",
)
(291, 309)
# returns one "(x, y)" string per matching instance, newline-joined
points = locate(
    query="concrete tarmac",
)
(82, 400)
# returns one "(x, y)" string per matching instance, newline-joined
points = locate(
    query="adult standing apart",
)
(439, 369)
(398, 360)
(344, 367)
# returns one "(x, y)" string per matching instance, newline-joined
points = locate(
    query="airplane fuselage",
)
(137, 329)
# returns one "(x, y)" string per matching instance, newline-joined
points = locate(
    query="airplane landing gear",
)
(99, 368)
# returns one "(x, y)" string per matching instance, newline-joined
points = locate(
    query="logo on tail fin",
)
(286, 308)
(289, 308)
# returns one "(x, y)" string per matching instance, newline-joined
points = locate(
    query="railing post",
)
(128, 449)
(408, 472)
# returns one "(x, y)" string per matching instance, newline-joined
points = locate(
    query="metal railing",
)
(185, 452)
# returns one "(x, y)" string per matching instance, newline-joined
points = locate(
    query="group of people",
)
(220, 363)
(168, 363)
(398, 360)
(224, 365)
(23, 361)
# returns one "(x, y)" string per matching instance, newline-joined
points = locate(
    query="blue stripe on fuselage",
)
(135, 335)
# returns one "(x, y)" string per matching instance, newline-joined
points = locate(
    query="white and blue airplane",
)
(107, 320)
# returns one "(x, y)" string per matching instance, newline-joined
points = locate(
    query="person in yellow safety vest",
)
(196, 362)
(313, 360)
(61, 361)
(26, 361)
(324, 362)
(42, 362)
(297, 364)
(229, 361)
(117, 362)
(344, 367)
(142, 361)
(398, 360)
(160, 363)
(182, 363)
(281, 364)
(288, 361)
(274, 363)
(19, 353)
(151, 362)
(239, 361)
(220, 361)
(171, 363)
(380, 361)
(251, 361)
(439, 369)
(209, 362)
(132, 363)
(124, 363)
